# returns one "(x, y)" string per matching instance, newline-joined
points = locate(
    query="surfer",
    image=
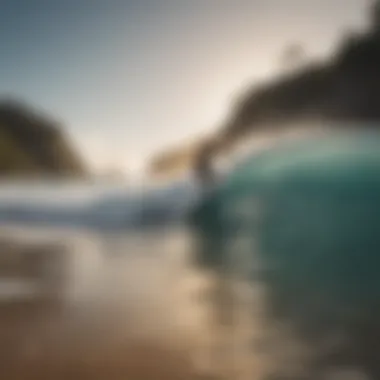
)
(204, 171)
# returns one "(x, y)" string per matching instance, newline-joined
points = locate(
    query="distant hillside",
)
(344, 89)
(172, 162)
(33, 145)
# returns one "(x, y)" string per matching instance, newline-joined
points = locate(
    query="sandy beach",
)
(48, 332)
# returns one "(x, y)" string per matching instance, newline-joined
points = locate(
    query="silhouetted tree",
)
(293, 56)
(375, 15)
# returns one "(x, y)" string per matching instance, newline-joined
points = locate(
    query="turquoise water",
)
(301, 222)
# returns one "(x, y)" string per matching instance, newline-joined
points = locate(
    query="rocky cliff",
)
(31, 144)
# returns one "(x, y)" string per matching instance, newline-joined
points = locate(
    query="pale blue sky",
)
(128, 78)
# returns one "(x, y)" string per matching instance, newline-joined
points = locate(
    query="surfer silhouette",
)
(204, 171)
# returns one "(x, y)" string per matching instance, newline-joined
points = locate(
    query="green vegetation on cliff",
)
(33, 145)
(345, 90)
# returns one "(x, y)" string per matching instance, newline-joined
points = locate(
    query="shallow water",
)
(117, 291)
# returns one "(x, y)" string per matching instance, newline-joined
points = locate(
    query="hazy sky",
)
(129, 77)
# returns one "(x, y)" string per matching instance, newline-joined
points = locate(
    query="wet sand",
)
(35, 345)
(45, 337)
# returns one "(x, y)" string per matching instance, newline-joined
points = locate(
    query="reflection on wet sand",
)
(113, 307)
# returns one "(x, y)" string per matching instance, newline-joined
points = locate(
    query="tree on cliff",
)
(292, 57)
(375, 15)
